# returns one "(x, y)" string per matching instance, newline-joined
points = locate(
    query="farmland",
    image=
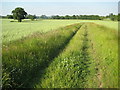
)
(14, 30)
(60, 54)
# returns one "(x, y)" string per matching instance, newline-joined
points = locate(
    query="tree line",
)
(19, 14)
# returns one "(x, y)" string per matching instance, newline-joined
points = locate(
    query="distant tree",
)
(43, 17)
(10, 16)
(102, 18)
(112, 16)
(67, 17)
(84, 17)
(57, 17)
(19, 14)
(62, 17)
(73, 17)
(77, 16)
(32, 17)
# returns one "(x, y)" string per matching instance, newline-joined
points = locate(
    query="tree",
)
(111, 16)
(19, 14)
(10, 16)
(44, 17)
(32, 17)
(74, 17)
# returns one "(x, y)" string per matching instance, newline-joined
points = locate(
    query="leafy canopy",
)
(19, 14)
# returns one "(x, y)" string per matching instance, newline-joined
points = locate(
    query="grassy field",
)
(60, 54)
(87, 61)
(14, 30)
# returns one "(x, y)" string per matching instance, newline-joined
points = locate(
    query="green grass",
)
(49, 54)
(109, 24)
(30, 56)
(87, 62)
(70, 68)
(15, 30)
(104, 51)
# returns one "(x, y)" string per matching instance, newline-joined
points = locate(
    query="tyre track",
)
(28, 74)
(71, 70)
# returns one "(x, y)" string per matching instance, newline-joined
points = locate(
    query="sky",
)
(61, 7)
(60, 0)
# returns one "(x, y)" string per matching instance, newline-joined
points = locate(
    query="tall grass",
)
(25, 60)
(89, 61)
(69, 57)
(70, 68)
(104, 53)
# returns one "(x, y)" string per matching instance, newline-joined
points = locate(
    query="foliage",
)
(44, 17)
(32, 17)
(113, 17)
(83, 17)
(10, 16)
(19, 14)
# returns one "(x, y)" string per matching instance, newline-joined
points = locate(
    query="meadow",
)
(14, 30)
(60, 54)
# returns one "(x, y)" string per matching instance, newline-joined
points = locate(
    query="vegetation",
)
(87, 61)
(13, 31)
(44, 17)
(113, 17)
(32, 17)
(70, 57)
(83, 17)
(10, 16)
(19, 14)
(104, 53)
(79, 53)
(70, 68)
(33, 54)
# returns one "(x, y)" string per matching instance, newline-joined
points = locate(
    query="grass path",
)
(70, 68)
(104, 53)
(87, 61)
(76, 56)
(24, 61)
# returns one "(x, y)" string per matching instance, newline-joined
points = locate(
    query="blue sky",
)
(62, 7)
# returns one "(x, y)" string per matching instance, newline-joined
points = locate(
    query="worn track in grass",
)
(77, 56)
(70, 68)
(25, 60)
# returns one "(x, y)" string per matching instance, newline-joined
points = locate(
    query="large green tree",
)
(19, 14)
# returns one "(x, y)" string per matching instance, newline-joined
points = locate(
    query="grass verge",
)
(104, 53)
(25, 60)
(70, 68)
